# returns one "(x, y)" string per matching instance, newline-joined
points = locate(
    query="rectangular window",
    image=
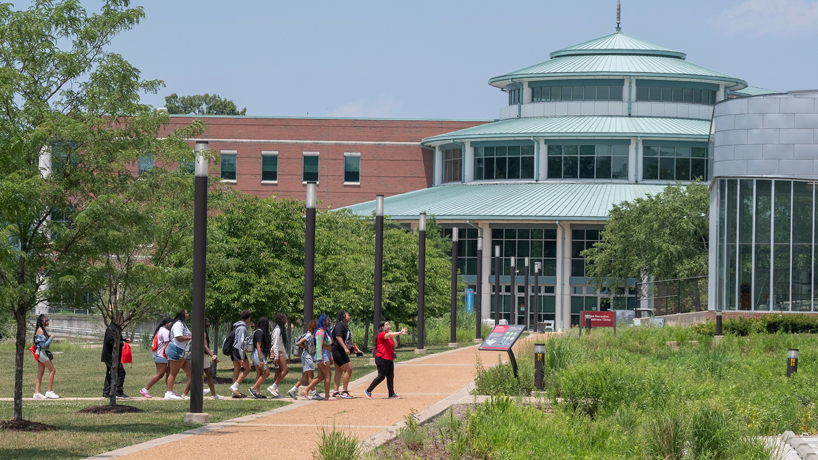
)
(269, 166)
(228, 165)
(669, 162)
(352, 168)
(513, 96)
(581, 240)
(452, 165)
(655, 92)
(539, 244)
(146, 162)
(601, 161)
(501, 162)
(310, 168)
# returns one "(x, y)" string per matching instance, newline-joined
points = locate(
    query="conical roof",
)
(618, 43)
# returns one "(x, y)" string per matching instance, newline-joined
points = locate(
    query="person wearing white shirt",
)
(175, 351)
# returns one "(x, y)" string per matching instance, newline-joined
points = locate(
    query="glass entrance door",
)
(520, 309)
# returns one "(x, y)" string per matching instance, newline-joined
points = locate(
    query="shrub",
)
(412, 434)
(590, 386)
(666, 436)
(338, 445)
(499, 380)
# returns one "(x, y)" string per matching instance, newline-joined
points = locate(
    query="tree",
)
(71, 123)
(201, 104)
(664, 236)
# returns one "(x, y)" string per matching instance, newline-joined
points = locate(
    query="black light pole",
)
(536, 291)
(421, 281)
(527, 299)
(378, 269)
(478, 301)
(453, 326)
(309, 255)
(514, 307)
(199, 274)
(496, 285)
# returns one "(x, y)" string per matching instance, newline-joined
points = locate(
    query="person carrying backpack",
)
(323, 358)
(161, 337)
(42, 340)
(241, 366)
(260, 340)
(306, 343)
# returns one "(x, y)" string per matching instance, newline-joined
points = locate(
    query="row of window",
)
(656, 92)
(603, 161)
(577, 93)
(269, 166)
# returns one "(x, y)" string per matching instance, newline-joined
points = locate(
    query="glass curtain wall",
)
(466, 249)
(766, 245)
(539, 244)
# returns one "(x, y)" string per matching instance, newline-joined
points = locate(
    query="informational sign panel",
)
(469, 300)
(598, 318)
(502, 338)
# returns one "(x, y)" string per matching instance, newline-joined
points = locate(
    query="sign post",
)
(502, 338)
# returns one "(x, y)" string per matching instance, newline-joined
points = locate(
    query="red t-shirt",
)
(386, 347)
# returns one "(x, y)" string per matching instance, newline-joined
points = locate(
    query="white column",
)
(625, 92)
(468, 161)
(527, 95)
(543, 160)
(641, 160)
(720, 94)
(563, 288)
(438, 179)
(633, 161)
(488, 256)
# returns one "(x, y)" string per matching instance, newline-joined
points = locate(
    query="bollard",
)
(792, 361)
(718, 323)
(588, 323)
(539, 370)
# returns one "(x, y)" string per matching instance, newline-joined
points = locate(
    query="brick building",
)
(352, 159)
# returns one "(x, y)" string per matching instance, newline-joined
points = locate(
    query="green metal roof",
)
(618, 43)
(511, 201)
(754, 91)
(617, 65)
(582, 126)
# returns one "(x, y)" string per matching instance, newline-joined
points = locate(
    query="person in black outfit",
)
(107, 358)
(341, 344)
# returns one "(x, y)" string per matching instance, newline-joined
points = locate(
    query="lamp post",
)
(453, 326)
(378, 269)
(792, 361)
(478, 304)
(536, 291)
(309, 255)
(527, 299)
(421, 282)
(496, 285)
(513, 292)
(199, 275)
(539, 365)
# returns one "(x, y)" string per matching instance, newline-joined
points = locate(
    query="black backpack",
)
(227, 345)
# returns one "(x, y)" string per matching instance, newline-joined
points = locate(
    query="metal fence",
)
(681, 295)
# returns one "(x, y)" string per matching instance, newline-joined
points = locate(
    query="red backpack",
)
(155, 342)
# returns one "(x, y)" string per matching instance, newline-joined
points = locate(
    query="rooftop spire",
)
(618, 16)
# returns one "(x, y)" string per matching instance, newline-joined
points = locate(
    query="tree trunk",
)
(115, 358)
(20, 316)
(366, 336)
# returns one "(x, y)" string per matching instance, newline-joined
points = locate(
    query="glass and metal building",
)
(609, 120)
(763, 203)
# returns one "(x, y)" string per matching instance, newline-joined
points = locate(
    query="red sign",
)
(598, 318)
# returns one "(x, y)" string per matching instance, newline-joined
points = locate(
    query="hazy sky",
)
(432, 59)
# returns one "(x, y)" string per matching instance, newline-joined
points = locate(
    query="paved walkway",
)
(292, 432)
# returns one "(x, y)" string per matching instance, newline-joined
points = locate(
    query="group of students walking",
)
(323, 346)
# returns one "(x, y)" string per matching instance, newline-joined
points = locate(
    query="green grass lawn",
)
(80, 374)
(84, 435)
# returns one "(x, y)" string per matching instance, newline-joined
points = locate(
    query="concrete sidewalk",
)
(428, 386)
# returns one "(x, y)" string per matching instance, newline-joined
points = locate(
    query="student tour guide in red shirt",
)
(385, 359)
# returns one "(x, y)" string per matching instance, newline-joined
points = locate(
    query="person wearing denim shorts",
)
(323, 359)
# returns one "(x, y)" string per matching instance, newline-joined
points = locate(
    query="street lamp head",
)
(200, 168)
(537, 267)
(512, 262)
(539, 348)
(496, 251)
(454, 234)
(422, 222)
(311, 194)
(379, 205)
(792, 353)
(526, 261)
(479, 245)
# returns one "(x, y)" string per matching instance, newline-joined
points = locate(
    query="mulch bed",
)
(107, 409)
(25, 425)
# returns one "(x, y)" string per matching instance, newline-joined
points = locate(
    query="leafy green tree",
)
(201, 104)
(71, 123)
(664, 236)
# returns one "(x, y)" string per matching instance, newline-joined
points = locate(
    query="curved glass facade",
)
(766, 245)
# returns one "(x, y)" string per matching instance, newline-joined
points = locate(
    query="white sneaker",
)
(273, 391)
(217, 397)
(51, 395)
(206, 391)
(171, 395)
(38, 396)
(235, 386)
(184, 397)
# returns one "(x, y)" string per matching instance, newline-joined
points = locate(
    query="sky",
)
(433, 59)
